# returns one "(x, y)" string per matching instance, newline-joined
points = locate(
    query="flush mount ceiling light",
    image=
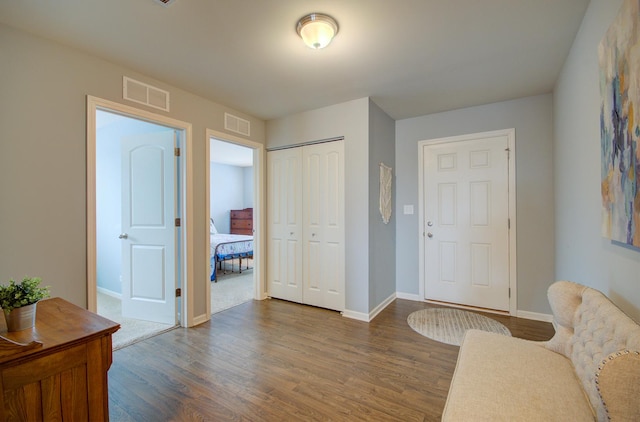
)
(317, 30)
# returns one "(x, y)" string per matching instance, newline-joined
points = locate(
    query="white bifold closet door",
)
(306, 261)
(284, 224)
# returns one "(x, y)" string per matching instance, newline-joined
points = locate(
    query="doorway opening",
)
(234, 185)
(134, 274)
(136, 220)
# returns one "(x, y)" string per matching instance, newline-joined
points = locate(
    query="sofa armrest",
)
(618, 384)
(565, 297)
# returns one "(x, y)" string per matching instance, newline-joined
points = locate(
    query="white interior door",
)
(284, 224)
(466, 222)
(148, 227)
(323, 234)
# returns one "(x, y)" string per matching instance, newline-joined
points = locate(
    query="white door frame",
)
(186, 179)
(511, 136)
(258, 210)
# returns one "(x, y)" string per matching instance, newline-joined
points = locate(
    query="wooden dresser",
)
(56, 370)
(242, 221)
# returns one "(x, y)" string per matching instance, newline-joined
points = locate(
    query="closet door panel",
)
(324, 225)
(284, 227)
(334, 230)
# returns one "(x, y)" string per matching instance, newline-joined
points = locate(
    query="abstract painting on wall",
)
(619, 56)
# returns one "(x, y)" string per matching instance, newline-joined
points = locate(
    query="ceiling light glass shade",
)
(317, 30)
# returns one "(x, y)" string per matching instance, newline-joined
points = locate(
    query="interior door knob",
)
(123, 236)
(429, 234)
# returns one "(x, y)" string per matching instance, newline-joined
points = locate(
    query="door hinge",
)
(176, 152)
(508, 223)
(177, 222)
(178, 292)
(509, 292)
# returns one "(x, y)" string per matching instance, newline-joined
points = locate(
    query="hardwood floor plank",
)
(274, 360)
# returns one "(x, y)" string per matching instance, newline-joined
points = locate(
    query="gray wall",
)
(532, 119)
(582, 254)
(382, 237)
(247, 187)
(43, 159)
(351, 120)
(227, 193)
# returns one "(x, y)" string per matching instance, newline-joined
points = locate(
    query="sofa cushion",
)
(499, 378)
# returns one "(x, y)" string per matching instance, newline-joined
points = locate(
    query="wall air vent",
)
(142, 93)
(165, 3)
(236, 124)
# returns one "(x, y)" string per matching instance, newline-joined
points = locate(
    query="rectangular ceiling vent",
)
(142, 93)
(236, 124)
(165, 3)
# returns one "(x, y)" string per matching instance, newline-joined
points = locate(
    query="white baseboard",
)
(535, 316)
(381, 306)
(110, 293)
(409, 296)
(361, 316)
(520, 314)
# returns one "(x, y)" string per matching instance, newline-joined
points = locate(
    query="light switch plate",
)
(408, 209)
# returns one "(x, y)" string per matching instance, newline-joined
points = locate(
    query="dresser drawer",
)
(241, 224)
(242, 215)
(246, 232)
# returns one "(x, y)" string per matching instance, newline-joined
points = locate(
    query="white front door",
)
(284, 227)
(466, 222)
(148, 227)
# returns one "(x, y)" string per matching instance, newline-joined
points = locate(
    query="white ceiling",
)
(227, 153)
(412, 57)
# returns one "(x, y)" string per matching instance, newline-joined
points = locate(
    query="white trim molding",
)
(259, 213)
(186, 318)
(511, 142)
(535, 316)
(361, 316)
(409, 296)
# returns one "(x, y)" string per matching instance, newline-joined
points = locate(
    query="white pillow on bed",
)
(212, 227)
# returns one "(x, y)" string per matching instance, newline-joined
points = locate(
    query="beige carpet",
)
(232, 289)
(449, 325)
(131, 330)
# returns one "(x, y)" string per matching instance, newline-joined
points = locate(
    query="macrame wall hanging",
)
(386, 174)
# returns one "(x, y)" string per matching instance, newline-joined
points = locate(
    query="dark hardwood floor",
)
(273, 360)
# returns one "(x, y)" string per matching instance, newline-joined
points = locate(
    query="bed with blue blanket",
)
(225, 247)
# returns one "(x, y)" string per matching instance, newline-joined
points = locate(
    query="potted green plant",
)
(18, 302)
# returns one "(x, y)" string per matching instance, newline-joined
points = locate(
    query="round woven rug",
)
(449, 325)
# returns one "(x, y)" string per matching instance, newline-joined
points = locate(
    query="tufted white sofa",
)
(589, 370)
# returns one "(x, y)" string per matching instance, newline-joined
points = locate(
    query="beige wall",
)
(43, 165)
